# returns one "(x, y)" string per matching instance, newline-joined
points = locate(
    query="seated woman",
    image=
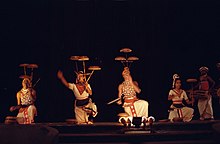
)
(178, 109)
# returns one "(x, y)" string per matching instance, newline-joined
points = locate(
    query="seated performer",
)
(178, 109)
(205, 84)
(84, 107)
(127, 92)
(25, 103)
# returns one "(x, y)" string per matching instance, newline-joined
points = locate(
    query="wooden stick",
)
(90, 76)
(115, 100)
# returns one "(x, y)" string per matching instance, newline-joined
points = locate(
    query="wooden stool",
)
(71, 121)
(11, 120)
(123, 115)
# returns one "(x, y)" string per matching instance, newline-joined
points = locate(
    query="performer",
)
(84, 107)
(127, 92)
(178, 109)
(25, 103)
(206, 84)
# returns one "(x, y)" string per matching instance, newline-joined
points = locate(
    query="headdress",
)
(203, 68)
(175, 76)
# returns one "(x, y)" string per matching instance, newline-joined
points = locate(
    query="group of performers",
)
(85, 109)
(179, 111)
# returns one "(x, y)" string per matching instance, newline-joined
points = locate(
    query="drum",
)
(202, 95)
(11, 120)
(198, 94)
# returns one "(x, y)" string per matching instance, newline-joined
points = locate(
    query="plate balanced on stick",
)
(126, 62)
(29, 72)
(83, 59)
(26, 96)
(136, 109)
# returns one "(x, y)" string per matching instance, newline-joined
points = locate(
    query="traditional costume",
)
(178, 109)
(83, 105)
(205, 104)
(132, 105)
(27, 110)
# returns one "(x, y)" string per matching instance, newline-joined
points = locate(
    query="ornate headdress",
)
(175, 76)
(203, 68)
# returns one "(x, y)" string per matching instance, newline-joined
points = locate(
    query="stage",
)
(160, 132)
(194, 132)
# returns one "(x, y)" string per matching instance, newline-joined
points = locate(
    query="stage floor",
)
(194, 132)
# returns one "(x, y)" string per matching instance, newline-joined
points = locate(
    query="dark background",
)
(168, 36)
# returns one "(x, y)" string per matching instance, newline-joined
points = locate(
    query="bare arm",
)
(119, 94)
(212, 82)
(61, 77)
(134, 84)
(12, 108)
(136, 87)
(170, 96)
(18, 98)
(33, 94)
(88, 89)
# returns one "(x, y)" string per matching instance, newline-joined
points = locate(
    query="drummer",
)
(84, 109)
(205, 83)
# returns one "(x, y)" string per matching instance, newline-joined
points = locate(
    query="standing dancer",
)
(205, 85)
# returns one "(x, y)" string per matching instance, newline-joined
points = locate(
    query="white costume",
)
(205, 104)
(178, 109)
(132, 105)
(206, 83)
(84, 107)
